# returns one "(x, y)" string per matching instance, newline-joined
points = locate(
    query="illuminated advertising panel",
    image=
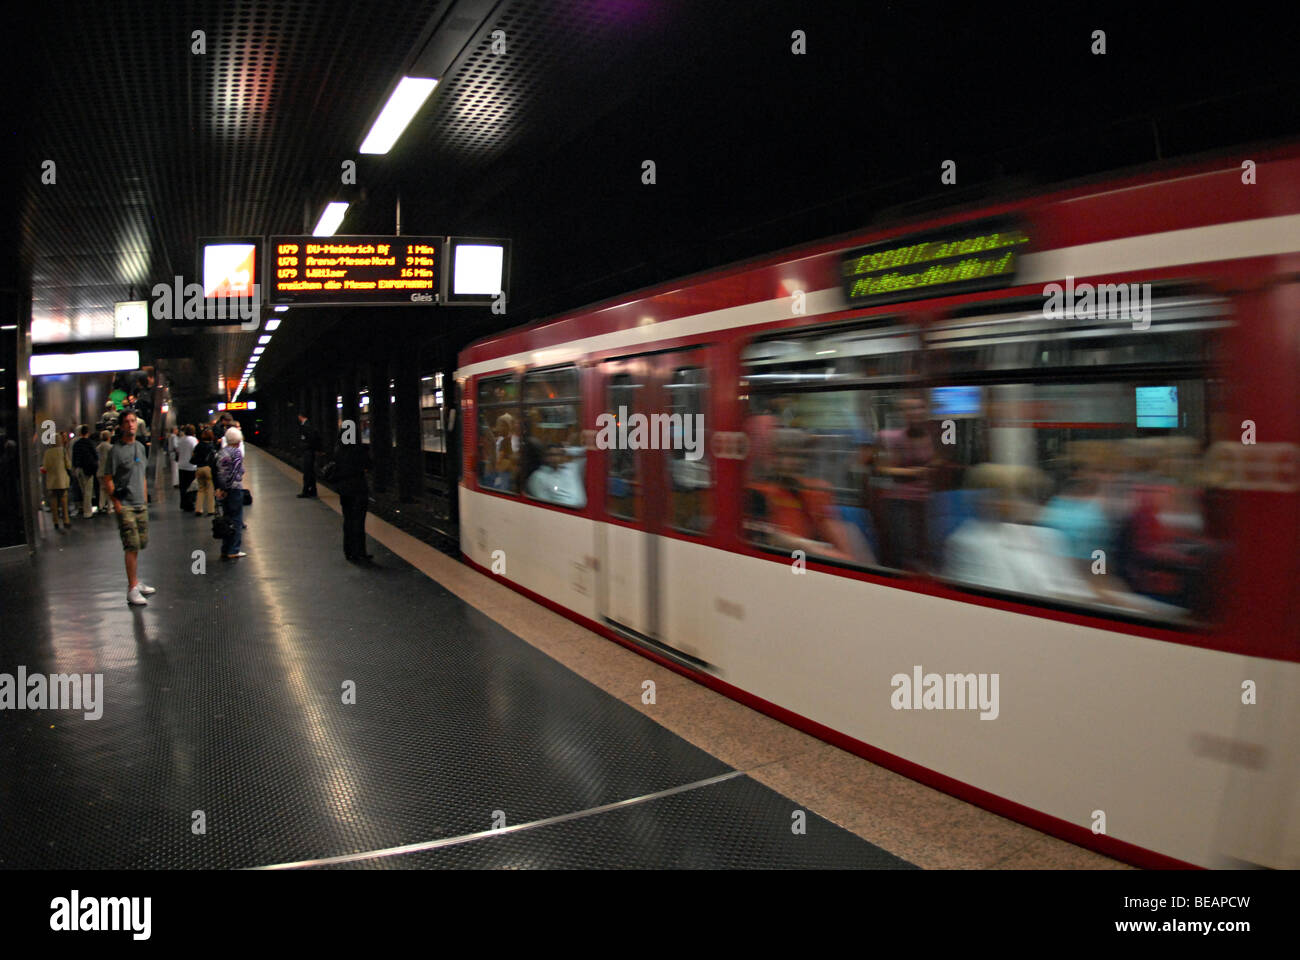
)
(131, 319)
(958, 259)
(478, 269)
(229, 266)
(307, 271)
(99, 361)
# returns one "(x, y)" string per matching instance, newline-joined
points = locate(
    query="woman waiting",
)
(56, 467)
(230, 491)
(203, 457)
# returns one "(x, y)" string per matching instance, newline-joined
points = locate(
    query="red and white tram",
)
(1007, 500)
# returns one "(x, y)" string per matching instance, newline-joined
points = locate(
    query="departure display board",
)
(334, 271)
(958, 259)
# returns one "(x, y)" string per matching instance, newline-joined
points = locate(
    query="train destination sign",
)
(362, 270)
(959, 259)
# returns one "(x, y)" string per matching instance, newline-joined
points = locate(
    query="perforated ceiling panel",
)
(504, 84)
(157, 142)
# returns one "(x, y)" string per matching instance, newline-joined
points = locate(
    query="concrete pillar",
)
(381, 425)
(410, 459)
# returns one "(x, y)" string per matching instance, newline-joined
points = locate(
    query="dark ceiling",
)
(756, 148)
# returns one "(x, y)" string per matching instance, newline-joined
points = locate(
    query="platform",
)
(474, 709)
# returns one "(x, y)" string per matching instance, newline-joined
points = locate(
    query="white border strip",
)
(1265, 237)
(470, 837)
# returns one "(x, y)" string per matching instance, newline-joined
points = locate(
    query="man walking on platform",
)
(309, 438)
(85, 462)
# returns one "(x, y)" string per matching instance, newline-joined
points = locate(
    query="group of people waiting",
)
(83, 462)
(112, 468)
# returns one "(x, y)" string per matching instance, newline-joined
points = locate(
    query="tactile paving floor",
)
(225, 695)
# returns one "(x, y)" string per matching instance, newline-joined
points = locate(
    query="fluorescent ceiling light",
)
(257, 351)
(281, 309)
(99, 361)
(272, 325)
(330, 219)
(402, 106)
(264, 339)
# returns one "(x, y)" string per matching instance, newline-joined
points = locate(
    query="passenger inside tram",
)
(797, 511)
(1011, 500)
(559, 479)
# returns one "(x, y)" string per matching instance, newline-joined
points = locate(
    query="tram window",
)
(836, 475)
(1083, 493)
(552, 458)
(832, 469)
(689, 474)
(500, 440)
(623, 493)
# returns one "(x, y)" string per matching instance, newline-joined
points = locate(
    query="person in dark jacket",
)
(351, 461)
(85, 464)
(309, 438)
(204, 459)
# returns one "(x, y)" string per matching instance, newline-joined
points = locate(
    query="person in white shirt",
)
(185, 468)
(1001, 547)
(558, 480)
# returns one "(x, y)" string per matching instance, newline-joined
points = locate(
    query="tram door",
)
(656, 483)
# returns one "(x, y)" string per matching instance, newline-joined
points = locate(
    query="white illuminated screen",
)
(478, 269)
(229, 269)
(102, 361)
(131, 318)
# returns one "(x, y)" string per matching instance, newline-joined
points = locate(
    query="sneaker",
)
(235, 556)
(135, 597)
(146, 589)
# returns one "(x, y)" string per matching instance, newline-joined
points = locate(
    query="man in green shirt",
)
(124, 481)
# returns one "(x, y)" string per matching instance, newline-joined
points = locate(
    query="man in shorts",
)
(124, 482)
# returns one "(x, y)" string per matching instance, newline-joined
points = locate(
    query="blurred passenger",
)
(204, 458)
(1168, 550)
(229, 478)
(798, 511)
(1002, 548)
(85, 464)
(506, 450)
(56, 466)
(905, 463)
(558, 480)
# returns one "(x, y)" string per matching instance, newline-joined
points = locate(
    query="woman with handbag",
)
(230, 491)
